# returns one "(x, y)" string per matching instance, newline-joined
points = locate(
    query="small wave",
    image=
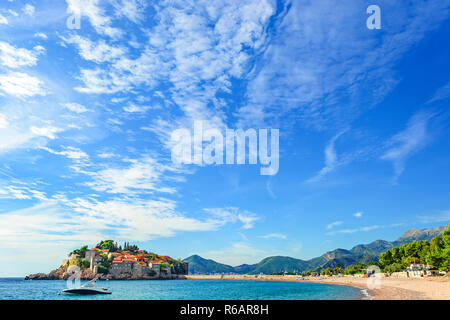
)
(365, 293)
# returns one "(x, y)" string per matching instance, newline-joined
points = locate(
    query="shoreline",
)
(390, 288)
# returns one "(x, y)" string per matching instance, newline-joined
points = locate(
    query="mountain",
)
(370, 252)
(279, 263)
(200, 265)
(360, 253)
(418, 234)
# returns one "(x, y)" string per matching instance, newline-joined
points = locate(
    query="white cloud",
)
(28, 9)
(358, 214)
(20, 192)
(441, 93)
(135, 108)
(334, 224)
(106, 155)
(70, 222)
(14, 13)
(232, 214)
(443, 216)
(354, 230)
(13, 57)
(69, 152)
(407, 142)
(274, 236)
(141, 176)
(301, 74)
(96, 51)
(131, 9)
(331, 161)
(21, 84)
(99, 81)
(96, 15)
(75, 107)
(41, 35)
(3, 20)
(49, 132)
(197, 48)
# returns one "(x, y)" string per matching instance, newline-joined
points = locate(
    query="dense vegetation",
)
(435, 252)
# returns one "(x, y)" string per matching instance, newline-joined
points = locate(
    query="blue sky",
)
(86, 115)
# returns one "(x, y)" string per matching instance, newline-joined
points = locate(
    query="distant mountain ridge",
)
(359, 253)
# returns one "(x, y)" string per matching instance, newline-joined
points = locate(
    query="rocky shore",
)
(87, 274)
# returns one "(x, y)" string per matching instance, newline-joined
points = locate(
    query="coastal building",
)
(138, 263)
(119, 266)
(94, 258)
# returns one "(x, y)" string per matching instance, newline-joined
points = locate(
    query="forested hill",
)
(359, 253)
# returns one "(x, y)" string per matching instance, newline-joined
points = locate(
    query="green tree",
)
(106, 244)
(445, 265)
(326, 271)
(386, 258)
(395, 267)
(81, 251)
(396, 255)
(84, 264)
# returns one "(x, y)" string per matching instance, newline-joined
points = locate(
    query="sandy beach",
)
(390, 288)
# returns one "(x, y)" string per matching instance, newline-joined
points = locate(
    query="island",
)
(110, 261)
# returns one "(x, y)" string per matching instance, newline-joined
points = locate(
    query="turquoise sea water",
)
(19, 289)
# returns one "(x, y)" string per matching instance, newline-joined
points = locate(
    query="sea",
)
(20, 289)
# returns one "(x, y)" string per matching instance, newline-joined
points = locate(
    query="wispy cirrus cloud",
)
(3, 19)
(139, 176)
(353, 230)
(334, 224)
(443, 216)
(233, 214)
(441, 94)
(331, 159)
(407, 142)
(69, 152)
(274, 236)
(301, 76)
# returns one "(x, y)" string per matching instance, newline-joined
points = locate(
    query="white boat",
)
(88, 288)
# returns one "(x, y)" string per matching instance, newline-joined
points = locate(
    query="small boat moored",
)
(88, 288)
